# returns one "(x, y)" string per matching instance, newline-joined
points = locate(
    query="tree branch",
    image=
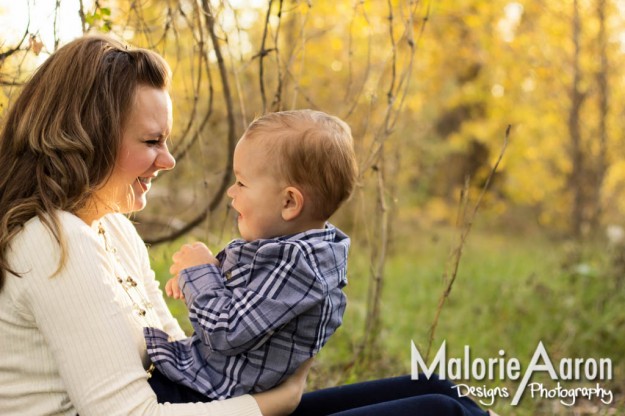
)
(13, 50)
(466, 222)
(261, 55)
(227, 175)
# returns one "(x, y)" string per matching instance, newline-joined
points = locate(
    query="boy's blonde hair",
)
(313, 151)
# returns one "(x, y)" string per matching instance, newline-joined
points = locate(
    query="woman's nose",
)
(165, 159)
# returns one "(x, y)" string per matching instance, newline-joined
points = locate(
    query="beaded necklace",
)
(143, 310)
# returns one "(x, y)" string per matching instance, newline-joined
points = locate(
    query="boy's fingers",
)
(200, 245)
(175, 288)
(168, 290)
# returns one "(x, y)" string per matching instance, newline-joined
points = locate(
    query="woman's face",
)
(143, 152)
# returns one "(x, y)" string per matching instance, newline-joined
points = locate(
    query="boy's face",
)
(257, 192)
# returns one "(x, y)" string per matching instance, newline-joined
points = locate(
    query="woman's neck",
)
(93, 211)
(88, 217)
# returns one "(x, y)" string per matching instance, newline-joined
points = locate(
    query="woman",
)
(84, 139)
(79, 147)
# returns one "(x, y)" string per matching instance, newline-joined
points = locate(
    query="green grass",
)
(511, 292)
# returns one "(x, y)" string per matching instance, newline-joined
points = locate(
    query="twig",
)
(456, 254)
(276, 104)
(11, 51)
(262, 53)
(227, 173)
(184, 145)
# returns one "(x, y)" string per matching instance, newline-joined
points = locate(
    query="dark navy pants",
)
(171, 392)
(398, 396)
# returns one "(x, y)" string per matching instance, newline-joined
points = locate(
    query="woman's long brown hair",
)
(60, 138)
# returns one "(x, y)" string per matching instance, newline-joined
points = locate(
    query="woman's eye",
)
(152, 142)
(239, 183)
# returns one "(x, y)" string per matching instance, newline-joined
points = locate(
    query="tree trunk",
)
(603, 99)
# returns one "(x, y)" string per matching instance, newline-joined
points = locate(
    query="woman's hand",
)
(284, 398)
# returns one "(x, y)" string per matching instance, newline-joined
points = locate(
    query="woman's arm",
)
(93, 343)
(283, 399)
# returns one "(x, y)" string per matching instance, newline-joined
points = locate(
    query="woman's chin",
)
(138, 203)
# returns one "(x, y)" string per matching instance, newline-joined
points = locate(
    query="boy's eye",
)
(239, 183)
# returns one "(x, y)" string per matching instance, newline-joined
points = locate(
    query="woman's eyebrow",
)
(157, 134)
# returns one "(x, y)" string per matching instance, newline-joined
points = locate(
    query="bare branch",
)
(227, 173)
(81, 13)
(361, 88)
(390, 95)
(304, 39)
(383, 237)
(236, 71)
(13, 50)
(261, 54)
(603, 98)
(10, 83)
(202, 58)
(396, 88)
(57, 9)
(576, 178)
(169, 22)
(466, 223)
(277, 97)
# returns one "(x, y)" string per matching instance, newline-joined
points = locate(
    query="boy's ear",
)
(292, 203)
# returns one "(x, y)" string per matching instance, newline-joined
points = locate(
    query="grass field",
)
(512, 291)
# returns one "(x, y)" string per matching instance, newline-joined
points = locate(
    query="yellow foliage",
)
(438, 210)
(478, 67)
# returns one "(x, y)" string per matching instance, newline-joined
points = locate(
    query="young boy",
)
(270, 300)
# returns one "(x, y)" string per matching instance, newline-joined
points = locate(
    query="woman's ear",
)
(292, 203)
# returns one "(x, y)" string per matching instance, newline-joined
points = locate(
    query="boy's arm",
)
(281, 286)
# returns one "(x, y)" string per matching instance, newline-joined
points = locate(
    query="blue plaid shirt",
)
(271, 305)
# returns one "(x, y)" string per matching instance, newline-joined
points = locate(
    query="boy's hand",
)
(189, 255)
(173, 289)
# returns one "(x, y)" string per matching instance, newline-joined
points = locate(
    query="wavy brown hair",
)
(60, 138)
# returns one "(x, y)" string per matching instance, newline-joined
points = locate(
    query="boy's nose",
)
(230, 191)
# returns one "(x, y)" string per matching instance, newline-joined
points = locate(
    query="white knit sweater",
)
(71, 343)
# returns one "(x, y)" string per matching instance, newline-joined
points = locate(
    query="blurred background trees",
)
(428, 88)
